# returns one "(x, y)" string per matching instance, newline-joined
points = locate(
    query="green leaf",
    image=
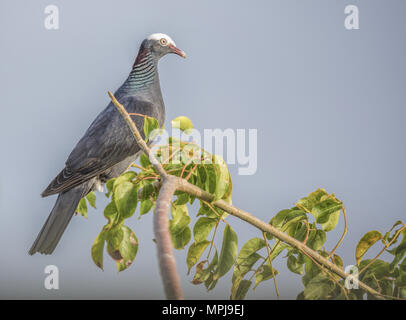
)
(240, 289)
(295, 265)
(312, 199)
(91, 197)
(114, 236)
(366, 242)
(211, 181)
(300, 296)
(178, 226)
(183, 198)
(399, 253)
(206, 275)
(401, 278)
(202, 228)
(82, 207)
(147, 191)
(202, 275)
(144, 160)
(402, 293)
(211, 211)
(150, 124)
(280, 218)
(109, 186)
(214, 262)
(251, 246)
(181, 239)
(192, 199)
(263, 274)
(386, 288)
(243, 266)
(247, 257)
(195, 252)
(228, 194)
(311, 269)
(316, 239)
(183, 123)
(125, 177)
(97, 250)
(378, 268)
(377, 276)
(331, 222)
(210, 283)
(128, 249)
(300, 231)
(110, 212)
(228, 252)
(202, 176)
(125, 198)
(402, 266)
(180, 219)
(387, 234)
(222, 178)
(284, 219)
(324, 209)
(146, 205)
(338, 261)
(318, 288)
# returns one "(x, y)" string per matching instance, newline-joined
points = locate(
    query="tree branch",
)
(170, 184)
(163, 239)
(263, 226)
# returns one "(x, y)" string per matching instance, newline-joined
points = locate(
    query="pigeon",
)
(108, 147)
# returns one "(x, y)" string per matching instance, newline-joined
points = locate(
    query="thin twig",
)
(191, 172)
(307, 232)
(137, 166)
(212, 240)
(138, 114)
(342, 236)
(184, 168)
(270, 264)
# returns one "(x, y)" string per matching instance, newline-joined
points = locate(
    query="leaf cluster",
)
(308, 221)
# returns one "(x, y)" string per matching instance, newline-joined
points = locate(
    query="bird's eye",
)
(163, 41)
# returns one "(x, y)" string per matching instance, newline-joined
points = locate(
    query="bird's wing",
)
(107, 142)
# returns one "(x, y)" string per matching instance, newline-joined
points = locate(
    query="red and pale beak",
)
(177, 51)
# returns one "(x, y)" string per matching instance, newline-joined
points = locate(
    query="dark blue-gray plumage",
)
(108, 147)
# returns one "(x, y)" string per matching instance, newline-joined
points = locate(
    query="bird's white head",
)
(163, 44)
(161, 37)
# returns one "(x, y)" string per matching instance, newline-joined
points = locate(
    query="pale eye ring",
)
(163, 41)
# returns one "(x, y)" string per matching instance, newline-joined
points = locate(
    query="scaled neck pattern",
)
(144, 72)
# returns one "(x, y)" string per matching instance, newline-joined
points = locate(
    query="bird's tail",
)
(58, 220)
